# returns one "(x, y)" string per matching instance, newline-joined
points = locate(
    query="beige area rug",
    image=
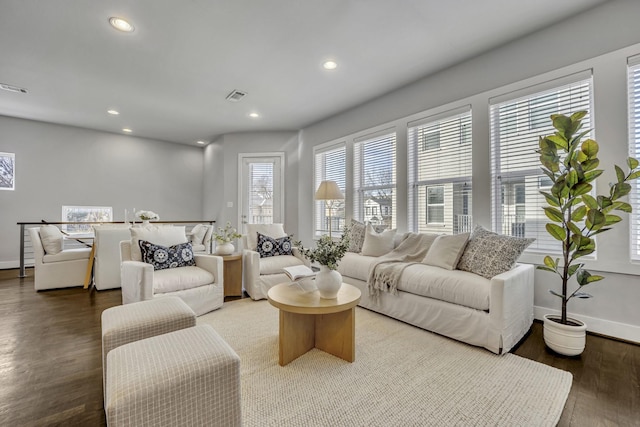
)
(402, 376)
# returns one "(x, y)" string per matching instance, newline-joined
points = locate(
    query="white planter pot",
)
(225, 248)
(328, 282)
(568, 340)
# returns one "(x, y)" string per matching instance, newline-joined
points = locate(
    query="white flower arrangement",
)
(147, 215)
(226, 234)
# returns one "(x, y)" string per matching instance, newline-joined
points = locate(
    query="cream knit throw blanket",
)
(385, 273)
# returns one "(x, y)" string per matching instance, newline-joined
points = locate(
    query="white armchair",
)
(106, 267)
(261, 274)
(55, 267)
(200, 237)
(200, 286)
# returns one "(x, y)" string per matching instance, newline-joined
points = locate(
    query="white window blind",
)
(516, 125)
(374, 179)
(260, 193)
(634, 151)
(440, 174)
(329, 164)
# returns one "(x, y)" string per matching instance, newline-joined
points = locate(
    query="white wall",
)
(62, 165)
(600, 39)
(221, 172)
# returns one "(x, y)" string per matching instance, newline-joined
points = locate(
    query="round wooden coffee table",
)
(308, 321)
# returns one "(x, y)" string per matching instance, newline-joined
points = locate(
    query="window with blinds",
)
(329, 164)
(440, 173)
(634, 151)
(516, 125)
(374, 179)
(260, 195)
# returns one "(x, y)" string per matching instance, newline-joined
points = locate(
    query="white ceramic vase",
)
(226, 248)
(328, 282)
(568, 340)
(145, 222)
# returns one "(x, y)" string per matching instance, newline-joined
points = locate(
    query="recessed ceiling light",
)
(113, 112)
(201, 142)
(330, 65)
(127, 130)
(254, 115)
(121, 24)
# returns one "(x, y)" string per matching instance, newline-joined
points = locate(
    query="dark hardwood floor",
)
(51, 374)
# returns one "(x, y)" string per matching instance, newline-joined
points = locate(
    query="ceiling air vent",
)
(236, 95)
(11, 88)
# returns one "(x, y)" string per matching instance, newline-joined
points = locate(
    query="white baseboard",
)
(6, 265)
(600, 326)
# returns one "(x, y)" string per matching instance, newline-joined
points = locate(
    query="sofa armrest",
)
(213, 264)
(137, 281)
(298, 254)
(511, 304)
(250, 264)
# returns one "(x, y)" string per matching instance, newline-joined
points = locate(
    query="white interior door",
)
(261, 188)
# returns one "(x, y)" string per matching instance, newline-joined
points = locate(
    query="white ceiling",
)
(169, 78)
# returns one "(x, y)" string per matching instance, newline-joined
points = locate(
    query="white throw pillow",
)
(163, 235)
(51, 237)
(197, 234)
(445, 252)
(377, 244)
(272, 230)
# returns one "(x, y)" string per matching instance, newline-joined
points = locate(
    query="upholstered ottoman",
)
(145, 319)
(189, 377)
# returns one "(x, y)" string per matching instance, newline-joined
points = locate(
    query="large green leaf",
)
(581, 188)
(559, 141)
(634, 175)
(590, 201)
(561, 122)
(620, 173)
(573, 227)
(575, 267)
(579, 213)
(590, 164)
(581, 253)
(632, 163)
(544, 268)
(590, 148)
(556, 231)
(578, 115)
(552, 200)
(582, 277)
(549, 262)
(595, 219)
(556, 294)
(553, 214)
(591, 175)
(604, 202)
(572, 178)
(612, 219)
(619, 190)
(622, 206)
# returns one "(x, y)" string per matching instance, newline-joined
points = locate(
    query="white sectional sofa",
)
(491, 313)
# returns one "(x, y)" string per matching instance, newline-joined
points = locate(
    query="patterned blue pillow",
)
(162, 257)
(268, 246)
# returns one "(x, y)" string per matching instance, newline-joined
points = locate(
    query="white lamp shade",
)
(329, 190)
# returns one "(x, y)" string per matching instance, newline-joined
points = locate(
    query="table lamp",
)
(329, 192)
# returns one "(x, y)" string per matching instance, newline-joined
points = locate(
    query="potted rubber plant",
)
(576, 217)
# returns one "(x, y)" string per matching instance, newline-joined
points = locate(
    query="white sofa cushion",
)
(454, 286)
(68, 255)
(164, 235)
(178, 279)
(51, 238)
(197, 234)
(356, 266)
(377, 244)
(445, 252)
(275, 264)
(272, 230)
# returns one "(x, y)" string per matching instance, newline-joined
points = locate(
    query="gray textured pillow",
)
(356, 236)
(489, 254)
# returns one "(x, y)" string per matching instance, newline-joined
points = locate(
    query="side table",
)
(232, 274)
